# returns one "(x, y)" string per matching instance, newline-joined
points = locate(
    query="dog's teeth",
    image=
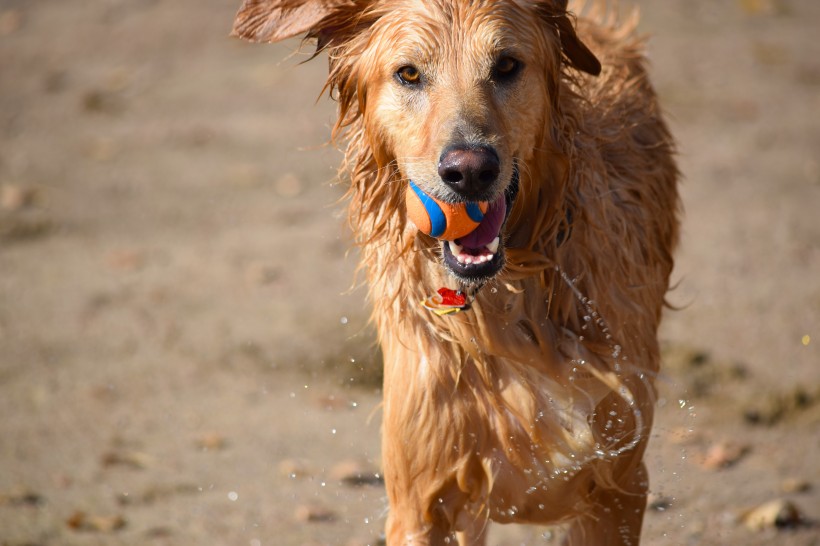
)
(493, 247)
(465, 258)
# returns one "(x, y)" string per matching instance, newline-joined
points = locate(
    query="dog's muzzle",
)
(479, 256)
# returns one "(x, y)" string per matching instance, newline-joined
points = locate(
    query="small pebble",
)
(778, 514)
(355, 473)
(11, 20)
(21, 497)
(261, 274)
(80, 521)
(313, 513)
(795, 485)
(14, 197)
(126, 260)
(295, 468)
(133, 459)
(211, 441)
(157, 492)
(723, 455)
(658, 503)
(334, 402)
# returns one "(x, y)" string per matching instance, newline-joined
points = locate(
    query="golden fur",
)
(535, 405)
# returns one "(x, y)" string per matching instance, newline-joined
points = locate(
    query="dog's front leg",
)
(424, 448)
(416, 518)
(399, 533)
(407, 525)
(615, 515)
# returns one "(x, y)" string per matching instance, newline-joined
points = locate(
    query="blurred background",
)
(184, 352)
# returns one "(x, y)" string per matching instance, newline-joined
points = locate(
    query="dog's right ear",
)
(275, 20)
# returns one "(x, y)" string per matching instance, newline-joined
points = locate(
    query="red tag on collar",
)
(452, 297)
(446, 302)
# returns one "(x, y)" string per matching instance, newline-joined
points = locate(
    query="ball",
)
(441, 220)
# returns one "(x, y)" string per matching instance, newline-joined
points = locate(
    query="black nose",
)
(470, 171)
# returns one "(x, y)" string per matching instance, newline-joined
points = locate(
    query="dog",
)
(527, 395)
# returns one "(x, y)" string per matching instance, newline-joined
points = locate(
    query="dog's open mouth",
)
(479, 255)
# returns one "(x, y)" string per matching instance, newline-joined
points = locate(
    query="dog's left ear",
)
(576, 52)
(275, 20)
(554, 13)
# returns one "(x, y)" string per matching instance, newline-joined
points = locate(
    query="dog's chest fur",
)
(511, 435)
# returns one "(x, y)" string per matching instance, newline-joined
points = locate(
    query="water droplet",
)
(233, 495)
(343, 320)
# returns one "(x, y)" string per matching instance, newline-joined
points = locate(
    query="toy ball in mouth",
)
(448, 221)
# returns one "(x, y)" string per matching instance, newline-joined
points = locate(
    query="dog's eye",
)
(505, 69)
(408, 75)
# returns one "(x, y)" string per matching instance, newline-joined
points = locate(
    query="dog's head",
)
(456, 95)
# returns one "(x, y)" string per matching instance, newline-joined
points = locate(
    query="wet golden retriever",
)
(534, 403)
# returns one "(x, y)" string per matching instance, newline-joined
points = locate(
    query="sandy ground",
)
(182, 360)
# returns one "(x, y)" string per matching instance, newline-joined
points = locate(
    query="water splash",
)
(591, 315)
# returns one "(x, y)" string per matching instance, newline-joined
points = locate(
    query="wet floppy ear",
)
(275, 20)
(574, 49)
(554, 13)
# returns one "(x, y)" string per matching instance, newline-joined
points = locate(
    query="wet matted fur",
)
(535, 405)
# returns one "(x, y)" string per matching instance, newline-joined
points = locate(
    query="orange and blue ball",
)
(436, 218)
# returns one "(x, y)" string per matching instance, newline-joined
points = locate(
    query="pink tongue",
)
(489, 227)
